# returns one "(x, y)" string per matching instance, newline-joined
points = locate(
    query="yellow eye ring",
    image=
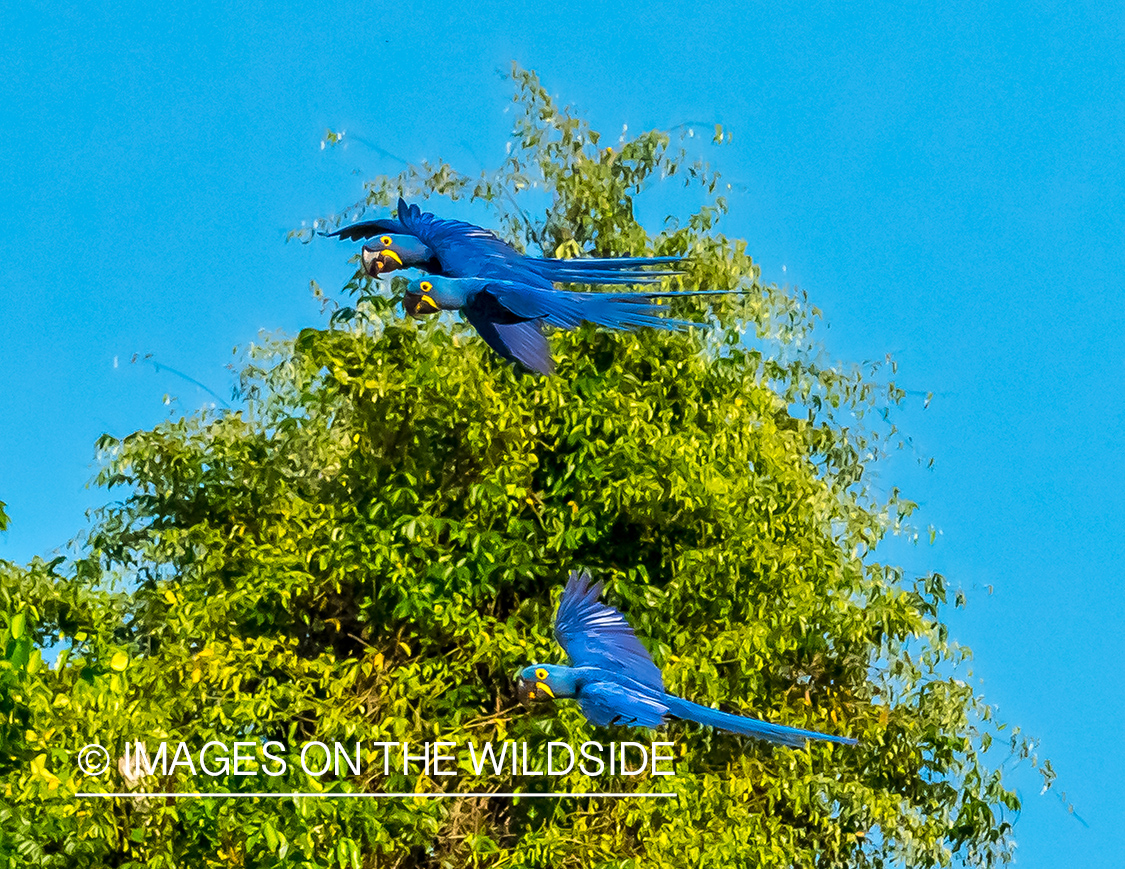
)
(385, 241)
(425, 286)
(540, 673)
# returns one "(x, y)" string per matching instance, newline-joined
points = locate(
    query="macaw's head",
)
(430, 295)
(419, 299)
(544, 682)
(386, 253)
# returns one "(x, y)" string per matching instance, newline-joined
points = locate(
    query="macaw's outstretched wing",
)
(605, 703)
(779, 733)
(464, 249)
(368, 229)
(517, 342)
(596, 635)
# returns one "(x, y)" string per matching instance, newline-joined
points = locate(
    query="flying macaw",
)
(507, 314)
(615, 681)
(456, 249)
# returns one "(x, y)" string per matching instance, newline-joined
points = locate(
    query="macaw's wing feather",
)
(517, 342)
(427, 227)
(777, 733)
(605, 703)
(465, 250)
(596, 635)
(368, 229)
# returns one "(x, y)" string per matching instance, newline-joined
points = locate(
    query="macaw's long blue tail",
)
(616, 310)
(777, 733)
(609, 270)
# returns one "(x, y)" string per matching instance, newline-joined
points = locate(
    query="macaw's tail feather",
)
(614, 263)
(776, 733)
(590, 276)
(607, 263)
(664, 294)
(608, 270)
(619, 310)
(612, 311)
(568, 310)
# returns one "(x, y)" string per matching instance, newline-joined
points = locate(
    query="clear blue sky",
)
(945, 182)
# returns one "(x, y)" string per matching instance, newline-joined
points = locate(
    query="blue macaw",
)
(615, 681)
(456, 249)
(507, 314)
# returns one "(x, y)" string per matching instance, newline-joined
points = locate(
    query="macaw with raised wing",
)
(455, 249)
(508, 314)
(615, 681)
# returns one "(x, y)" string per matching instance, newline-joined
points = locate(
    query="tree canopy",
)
(371, 543)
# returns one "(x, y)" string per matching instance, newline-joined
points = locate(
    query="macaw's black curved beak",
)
(419, 304)
(379, 262)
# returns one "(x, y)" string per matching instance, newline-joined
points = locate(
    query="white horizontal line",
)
(352, 796)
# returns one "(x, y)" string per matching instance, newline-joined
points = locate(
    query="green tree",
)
(372, 544)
